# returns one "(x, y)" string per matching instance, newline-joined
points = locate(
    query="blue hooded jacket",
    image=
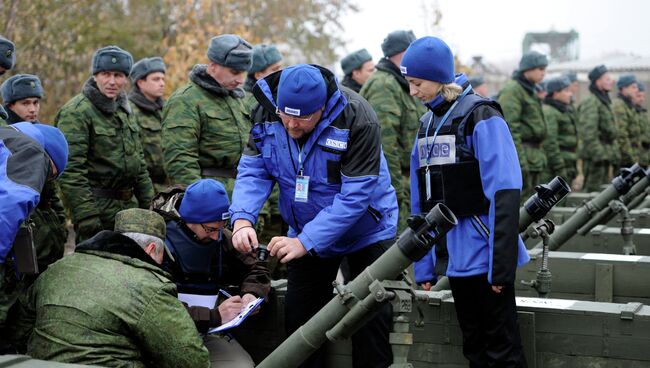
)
(492, 245)
(24, 168)
(351, 202)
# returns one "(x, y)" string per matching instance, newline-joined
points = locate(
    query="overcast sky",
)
(495, 29)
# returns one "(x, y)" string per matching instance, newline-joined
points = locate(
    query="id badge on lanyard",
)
(302, 188)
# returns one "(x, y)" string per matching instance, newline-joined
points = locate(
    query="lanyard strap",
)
(442, 122)
(300, 163)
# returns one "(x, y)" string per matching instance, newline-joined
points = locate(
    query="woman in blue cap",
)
(464, 157)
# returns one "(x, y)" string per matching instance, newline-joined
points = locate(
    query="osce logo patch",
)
(440, 152)
(336, 144)
(290, 111)
(402, 69)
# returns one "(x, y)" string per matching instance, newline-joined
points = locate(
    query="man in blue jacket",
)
(322, 145)
(30, 155)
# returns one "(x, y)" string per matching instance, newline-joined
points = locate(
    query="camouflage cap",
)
(138, 220)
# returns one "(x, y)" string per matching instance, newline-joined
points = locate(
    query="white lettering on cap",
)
(225, 216)
(290, 111)
(402, 69)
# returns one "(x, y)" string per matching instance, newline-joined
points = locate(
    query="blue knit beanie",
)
(205, 201)
(147, 66)
(429, 58)
(7, 53)
(52, 140)
(112, 59)
(301, 91)
(557, 84)
(396, 42)
(625, 80)
(231, 51)
(263, 57)
(21, 86)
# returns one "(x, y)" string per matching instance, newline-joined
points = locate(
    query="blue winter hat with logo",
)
(206, 200)
(51, 139)
(301, 90)
(429, 58)
(112, 59)
(625, 80)
(21, 86)
(7, 53)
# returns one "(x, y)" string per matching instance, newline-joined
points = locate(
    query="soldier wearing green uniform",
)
(148, 78)
(644, 122)
(629, 130)
(110, 304)
(205, 122)
(597, 130)
(7, 61)
(357, 68)
(563, 134)
(522, 110)
(399, 113)
(21, 95)
(107, 171)
(267, 59)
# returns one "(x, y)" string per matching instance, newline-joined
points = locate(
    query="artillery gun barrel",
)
(620, 186)
(538, 205)
(606, 214)
(414, 242)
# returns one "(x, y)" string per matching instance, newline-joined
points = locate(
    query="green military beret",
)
(112, 59)
(21, 86)
(532, 60)
(263, 57)
(355, 60)
(147, 66)
(138, 220)
(7, 53)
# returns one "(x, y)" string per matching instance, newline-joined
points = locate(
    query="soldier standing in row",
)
(522, 110)
(7, 61)
(644, 122)
(398, 112)
(357, 67)
(107, 171)
(597, 130)
(562, 126)
(205, 122)
(626, 120)
(148, 77)
(266, 60)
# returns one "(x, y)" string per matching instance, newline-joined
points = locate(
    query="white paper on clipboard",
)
(246, 311)
(196, 300)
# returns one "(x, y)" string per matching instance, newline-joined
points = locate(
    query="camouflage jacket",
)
(205, 126)
(644, 123)
(597, 129)
(522, 110)
(148, 115)
(399, 115)
(109, 304)
(105, 153)
(563, 134)
(629, 130)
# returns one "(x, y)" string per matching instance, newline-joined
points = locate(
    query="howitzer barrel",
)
(606, 214)
(538, 205)
(412, 244)
(620, 186)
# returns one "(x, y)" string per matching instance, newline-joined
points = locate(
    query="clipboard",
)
(246, 311)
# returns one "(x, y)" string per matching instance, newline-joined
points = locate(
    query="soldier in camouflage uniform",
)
(357, 68)
(562, 128)
(644, 123)
(205, 122)
(118, 309)
(399, 113)
(148, 78)
(7, 61)
(629, 130)
(597, 130)
(522, 110)
(574, 87)
(266, 60)
(107, 171)
(21, 95)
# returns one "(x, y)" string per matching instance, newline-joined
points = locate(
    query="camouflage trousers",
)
(596, 174)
